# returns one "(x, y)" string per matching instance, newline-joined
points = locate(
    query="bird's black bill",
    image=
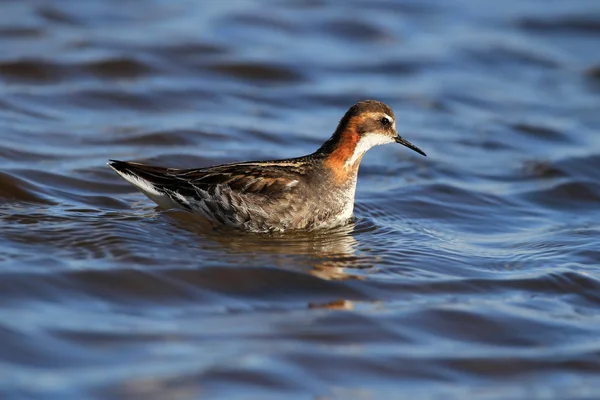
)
(409, 145)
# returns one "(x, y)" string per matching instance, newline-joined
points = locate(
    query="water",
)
(472, 273)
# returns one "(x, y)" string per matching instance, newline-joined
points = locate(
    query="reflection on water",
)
(472, 273)
(328, 254)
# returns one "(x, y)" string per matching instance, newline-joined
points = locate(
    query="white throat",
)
(366, 142)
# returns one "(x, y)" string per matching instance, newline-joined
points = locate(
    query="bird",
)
(305, 193)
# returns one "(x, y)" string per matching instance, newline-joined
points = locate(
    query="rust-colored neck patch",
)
(342, 150)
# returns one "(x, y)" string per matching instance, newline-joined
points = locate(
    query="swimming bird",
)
(297, 194)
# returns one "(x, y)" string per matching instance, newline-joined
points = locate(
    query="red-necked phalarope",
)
(305, 193)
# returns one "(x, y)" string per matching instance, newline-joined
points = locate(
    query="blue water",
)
(473, 273)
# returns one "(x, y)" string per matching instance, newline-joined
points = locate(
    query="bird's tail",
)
(154, 182)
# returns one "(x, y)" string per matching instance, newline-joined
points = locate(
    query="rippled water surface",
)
(472, 273)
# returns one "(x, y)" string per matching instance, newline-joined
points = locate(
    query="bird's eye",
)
(385, 121)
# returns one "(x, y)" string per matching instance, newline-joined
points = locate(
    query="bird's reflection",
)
(331, 254)
(340, 304)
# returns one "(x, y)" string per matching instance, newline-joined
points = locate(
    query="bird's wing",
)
(259, 179)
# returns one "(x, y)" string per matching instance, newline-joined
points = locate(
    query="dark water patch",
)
(14, 107)
(592, 79)
(273, 378)
(257, 72)
(57, 15)
(208, 287)
(565, 195)
(477, 101)
(510, 368)
(503, 328)
(512, 57)
(368, 370)
(263, 136)
(34, 71)
(540, 169)
(540, 131)
(266, 22)
(119, 68)
(73, 184)
(157, 138)
(582, 167)
(575, 288)
(187, 56)
(21, 32)
(330, 329)
(14, 190)
(575, 285)
(594, 72)
(279, 102)
(263, 284)
(391, 67)
(589, 255)
(121, 100)
(40, 71)
(569, 168)
(427, 8)
(110, 236)
(355, 30)
(488, 143)
(580, 24)
(27, 350)
(76, 200)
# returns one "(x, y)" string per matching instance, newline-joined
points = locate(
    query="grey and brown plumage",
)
(305, 193)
